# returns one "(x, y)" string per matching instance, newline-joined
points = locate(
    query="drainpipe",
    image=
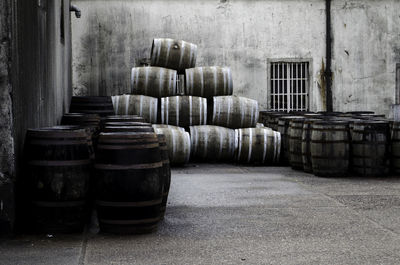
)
(328, 72)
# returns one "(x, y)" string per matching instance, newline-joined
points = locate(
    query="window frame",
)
(309, 89)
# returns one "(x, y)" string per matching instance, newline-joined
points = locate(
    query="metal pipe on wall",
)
(328, 72)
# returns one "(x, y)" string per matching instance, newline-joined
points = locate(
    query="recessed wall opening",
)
(289, 86)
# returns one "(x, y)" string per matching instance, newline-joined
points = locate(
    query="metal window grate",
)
(289, 86)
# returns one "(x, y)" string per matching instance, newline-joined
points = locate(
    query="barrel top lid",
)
(291, 117)
(311, 120)
(84, 115)
(128, 134)
(60, 128)
(122, 116)
(91, 97)
(360, 112)
(126, 123)
(371, 122)
(331, 122)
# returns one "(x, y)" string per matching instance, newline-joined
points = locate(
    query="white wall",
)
(113, 35)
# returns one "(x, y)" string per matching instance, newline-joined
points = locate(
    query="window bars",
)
(289, 86)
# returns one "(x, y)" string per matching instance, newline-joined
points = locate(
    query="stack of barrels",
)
(199, 101)
(117, 162)
(335, 144)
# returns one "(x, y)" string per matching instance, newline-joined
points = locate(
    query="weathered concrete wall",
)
(113, 36)
(366, 49)
(35, 83)
(7, 166)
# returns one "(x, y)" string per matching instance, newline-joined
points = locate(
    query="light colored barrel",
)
(157, 126)
(143, 106)
(212, 143)
(295, 134)
(257, 145)
(184, 111)
(173, 54)
(235, 112)
(178, 143)
(370, 148)
(153, 81)
(330, 148)
(208, 82)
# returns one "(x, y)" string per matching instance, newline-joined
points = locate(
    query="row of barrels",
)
(125, 173)
(209, 143)
(184, 111)
(200, 81)
(339, 144)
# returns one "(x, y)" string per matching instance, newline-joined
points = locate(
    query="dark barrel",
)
(58, 177)
(129, 182)
(173, 54)
(208, 82)
(283, 128)
(273, 119)
(91, 122)
(89, 104)
(370, 148)
(165, 172)
(330, 148)
(295, 141)
(153, 81)
(395, 147)
(306, 144)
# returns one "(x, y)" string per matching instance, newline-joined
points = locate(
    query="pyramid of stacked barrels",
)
(113, 154)
(336, 144)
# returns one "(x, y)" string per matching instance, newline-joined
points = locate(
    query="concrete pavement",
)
(228, 214)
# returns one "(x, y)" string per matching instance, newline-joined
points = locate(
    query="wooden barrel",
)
(273, 119)
(208, 82)
(127, 127)
(178, 143)
(330, 148)
(173, 54)
(158, 126)
(212, 143)
(153, 81)
(58, 176)
(283, 128)
(82, 119)
(235, 112)
(143, 106)
(306, 144)
(257, 145)
(102, 106)
(184, 111)
(166, 172)
(370, 148)
(91, 123)
(395, 147)
(124, 118)
(129, 182)
(295, 142)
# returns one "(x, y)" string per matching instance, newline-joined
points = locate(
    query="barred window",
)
(289, 83)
